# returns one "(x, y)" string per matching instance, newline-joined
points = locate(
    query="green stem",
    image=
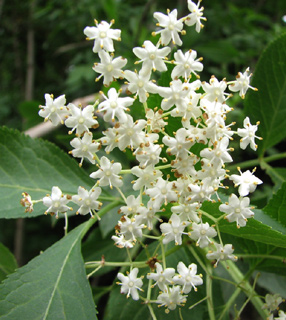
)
(151, 311)
(95, 264)
(263, 256)
(66, 224)
(209, 292)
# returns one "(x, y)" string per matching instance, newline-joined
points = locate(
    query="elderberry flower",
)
(202, 233)
(56, 202)
(282, 315)
(222, 253)
(140, 84)
(130, 283)
(174, 229)
(87, 200)
(131, 228)
(187, 211)
(162, 277)
(248, 135)
(27, 202)
(171, 27)
(54, 110)
(108, 173)
(241, 83)
(272, 302)
(186, 64)
(214, 90)
(152, 57)
(81, 119)
(109, 68)
(154, 120)
(247, 182)
(113, 106)
(188, 277)
(195, 16)
(102, 35)
(121, 242)
(238, 210)
(133, 206)
(110, 140)
(149, 154)
(149, 214)
(84, 148)
(146, 176)
(172, 298)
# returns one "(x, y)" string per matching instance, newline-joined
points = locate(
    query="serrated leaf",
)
(276, 207)
(51, 286)
(8, 262)
(34, 166)
(268, 105)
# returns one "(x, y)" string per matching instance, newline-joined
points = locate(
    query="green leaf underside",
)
(34, 166)
(273, 234)
(51, 286)
(8, 262)
(276, 207)
(268, 105)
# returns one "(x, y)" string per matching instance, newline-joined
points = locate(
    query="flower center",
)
(131, 284)
(53, 109)
(175, 230)
(152, 56)
(108, 173)
(188, 279)
(140, 84)
(237, 210)
(171, 27)
(130, 132)
(102, 34)
(203, 232)
(109, 68)
(187, 66)
(84, 148)
(87, 202)
(113, 104)
(81, 120)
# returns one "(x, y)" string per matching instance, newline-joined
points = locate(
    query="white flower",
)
(186, 64)
(202, 233)
(214, 90)
(188, 277)
(130, 283)
(152, 57)
(140, 84)
(241, 83)
(162, 192)
(172, 298)
(102, 36)
(247, 182)
(187, 211)
(130, 134)
(108, 173)
(54, 110)
(162, 277)
(174, 229)
(272, 302)
(201, 192)
(185, 166)
(81, 119)
(155, 121)
(222, 253)
(110, 140)
(113, 106)
(121, 242)
(146, 176)
(87, 200)
(195, 16)
(282, 315)
(133, 206)
(109, 68)
(84, 148)
(149, 154)
(56, 202)
(248, 134)
(149, 214)
(131, 228)
(171, 27)
(237, 209)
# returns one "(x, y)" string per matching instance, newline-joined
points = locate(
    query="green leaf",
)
(34, 166)
(268, 105)
(277, 175)
(276, 207)
(51, 286)
(8, 262)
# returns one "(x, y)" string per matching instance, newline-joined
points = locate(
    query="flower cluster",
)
(179, 170)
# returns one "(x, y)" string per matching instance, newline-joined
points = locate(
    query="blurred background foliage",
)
(43, 50)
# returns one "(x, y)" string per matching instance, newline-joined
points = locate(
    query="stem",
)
(151, 311)
(263, 256)
(200, 301)
(209, 293)
(66, 224)
(163, 254)
(95, 264)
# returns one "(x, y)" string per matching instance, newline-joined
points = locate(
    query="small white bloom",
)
(202, 233)
(222, 253)
(214, 90)
(248, 134)
(186, 64)
(282, 315)
(188, 277)
(130, 283)
(149, 154)
(162, 277)
(172, 298)
(131, 228)
(201, 192)
(238, 210)
(84, 148)
(272, 302)
(171, 27)
(241, 83)
(155, 120)
(247, 182)
(56, 202)
(113, 106)
(195, 16)
(174, 229)
(152, 57)
(54, 110)
(81, 119)
(146, 176)
(87, 200)
(102, 35)
(133, 206)
(187, 211)
(149, 214)
(110, 139)
(108, 173)
(109, 68)
(121, 242)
